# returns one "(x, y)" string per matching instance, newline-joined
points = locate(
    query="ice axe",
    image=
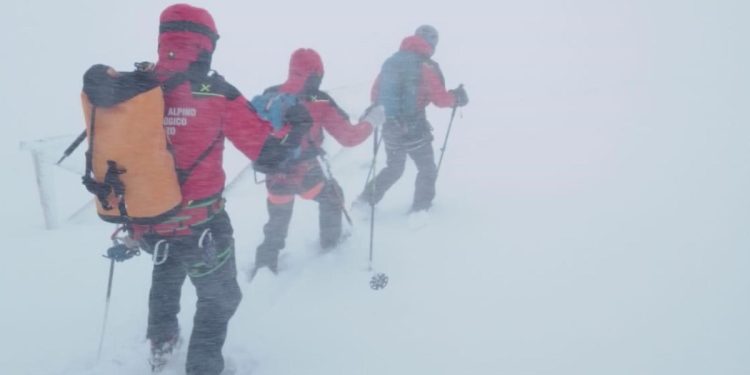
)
(72, 147)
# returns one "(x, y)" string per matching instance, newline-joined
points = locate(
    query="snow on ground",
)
(591, 215)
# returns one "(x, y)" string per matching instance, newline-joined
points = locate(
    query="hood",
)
(305, 72)
(186, 34)
(418, 45)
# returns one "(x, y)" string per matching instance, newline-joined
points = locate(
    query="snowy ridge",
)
(591, 214)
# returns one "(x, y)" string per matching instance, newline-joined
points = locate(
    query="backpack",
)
(398, 87)
(275, 107)
(129, 167)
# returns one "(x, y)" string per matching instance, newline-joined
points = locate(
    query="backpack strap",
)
(183, 174)
(170, 84)
(112, 182)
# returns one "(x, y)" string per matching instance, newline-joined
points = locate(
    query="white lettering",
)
(182, 112)
(175, 121)
(178, 116)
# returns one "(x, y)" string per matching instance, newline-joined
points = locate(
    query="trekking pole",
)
(445, 142)
(106, 307)
(378, 280)
(72, 146)
(375, 145)
(122, 255)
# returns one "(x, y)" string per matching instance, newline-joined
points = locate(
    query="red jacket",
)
(327, 115)
(201, 111)
(305, 73)
(198, 117)
(204, 109)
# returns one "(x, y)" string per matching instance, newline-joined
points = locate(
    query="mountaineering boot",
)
(419, 208)
(267, 255)
(275, 232)
(162, 352)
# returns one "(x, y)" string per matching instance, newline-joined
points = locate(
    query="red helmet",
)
(305, 71)
(186, 34)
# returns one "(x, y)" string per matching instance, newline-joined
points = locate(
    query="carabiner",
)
(159, 261)
(207, 244)
(206, 234)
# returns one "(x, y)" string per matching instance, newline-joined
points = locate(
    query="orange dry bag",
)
(128, 165)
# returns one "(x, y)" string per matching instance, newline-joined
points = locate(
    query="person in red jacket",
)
(408, 82)
(305, 175)
(202, 110)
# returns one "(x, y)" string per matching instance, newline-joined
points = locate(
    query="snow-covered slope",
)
(591, 216)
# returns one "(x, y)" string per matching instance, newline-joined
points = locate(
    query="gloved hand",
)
(121, 252)
(271, 156)
(459, 93)
(144, 66)
(278, 153)
(375, 115)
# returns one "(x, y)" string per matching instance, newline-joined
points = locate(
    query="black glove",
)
(121, 252)
(278, 153)
(271, 156)
(459, 93)
(144, 66)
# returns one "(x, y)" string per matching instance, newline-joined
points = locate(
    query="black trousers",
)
(424, 186)
(212, 270)
(330, 204)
